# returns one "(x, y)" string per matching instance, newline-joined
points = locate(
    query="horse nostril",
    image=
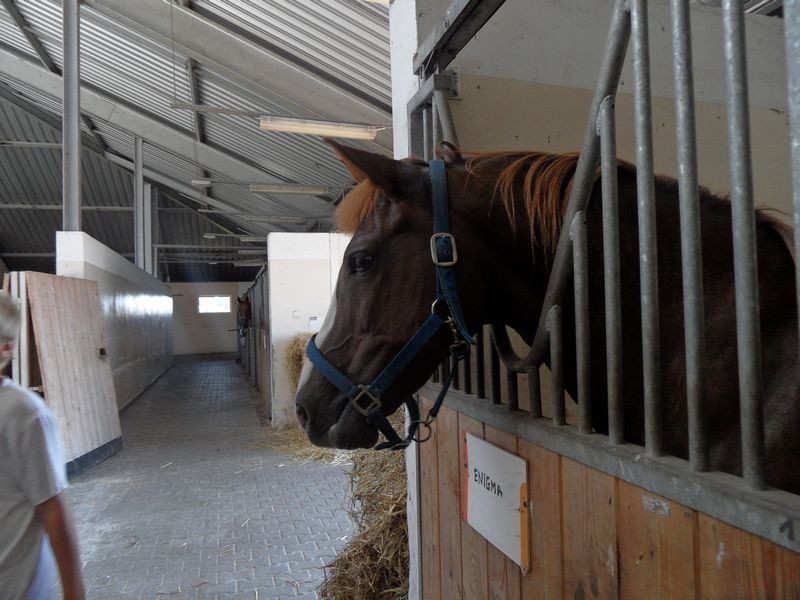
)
(302, 415)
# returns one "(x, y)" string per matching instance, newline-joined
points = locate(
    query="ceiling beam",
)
(112, 112)
(54, 207)
(301, 92)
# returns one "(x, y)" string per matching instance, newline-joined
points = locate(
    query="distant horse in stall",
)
(506, 212)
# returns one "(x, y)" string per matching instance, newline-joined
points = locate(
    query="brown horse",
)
(506, 214)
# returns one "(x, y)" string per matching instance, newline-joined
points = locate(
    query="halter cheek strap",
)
(446, 310)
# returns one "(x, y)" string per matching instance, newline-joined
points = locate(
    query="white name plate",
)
(496, 502)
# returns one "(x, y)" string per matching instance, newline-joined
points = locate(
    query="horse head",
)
(385, 291)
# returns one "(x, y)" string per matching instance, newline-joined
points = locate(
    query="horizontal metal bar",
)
(771, 514)
(24, 144)
(429, 86)
(45, 254)
(58, 207)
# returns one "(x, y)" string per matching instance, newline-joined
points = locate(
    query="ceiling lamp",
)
(266, 219)
(289, 188)
(201, 183)
(354, 131)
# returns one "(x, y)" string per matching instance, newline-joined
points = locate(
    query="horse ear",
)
(392, 176)
(449, 154)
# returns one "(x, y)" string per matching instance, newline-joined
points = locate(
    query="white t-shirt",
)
(31, 472)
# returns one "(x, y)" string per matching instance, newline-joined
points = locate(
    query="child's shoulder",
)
(18, 406)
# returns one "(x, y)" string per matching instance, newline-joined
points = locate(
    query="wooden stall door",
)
(76, 373)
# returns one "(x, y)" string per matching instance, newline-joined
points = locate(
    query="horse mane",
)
(356, 206)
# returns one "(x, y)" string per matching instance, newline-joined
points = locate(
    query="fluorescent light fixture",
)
(290, 188)
(252, 238)
(253, 251)
(241, 237)
(249, 263)
(201, 183)
(210, 236)
(267, 219)
(384, 2)
(356, 131)
(210, 262)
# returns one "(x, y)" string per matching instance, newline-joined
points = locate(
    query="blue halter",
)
(445, 311)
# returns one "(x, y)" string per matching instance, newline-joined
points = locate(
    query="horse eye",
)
(360, 262)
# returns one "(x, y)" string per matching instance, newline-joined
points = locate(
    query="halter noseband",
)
(445, 311)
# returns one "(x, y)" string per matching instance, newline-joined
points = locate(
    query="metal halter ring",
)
(427, 424)
(363, 390)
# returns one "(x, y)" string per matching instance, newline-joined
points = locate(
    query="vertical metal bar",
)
(148, 229)
(691, 249)
(513, 389)
(436, 129)
(456, 368)
(791, 24)
(494, 367)
(427, 144)
(648, 267)
(480, 372)
(748, 333)
(446, 116)
(156, 231)
(611, 277)
(556, 364)
(138, 203)
(534, 392)
(16, 359)
(468, 373)
(581, 278)
(24, 337)
(71, 117)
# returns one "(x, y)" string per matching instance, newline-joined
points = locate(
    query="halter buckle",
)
(450, 251)
(363, 390)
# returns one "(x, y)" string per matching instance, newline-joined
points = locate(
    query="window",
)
(214, 304)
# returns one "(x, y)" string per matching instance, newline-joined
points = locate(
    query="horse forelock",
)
(356, 206)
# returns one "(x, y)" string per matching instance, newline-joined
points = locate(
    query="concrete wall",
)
(209, 333)
(137, 311)
(302, 271)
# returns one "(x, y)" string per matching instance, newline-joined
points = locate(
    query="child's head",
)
(9, 323)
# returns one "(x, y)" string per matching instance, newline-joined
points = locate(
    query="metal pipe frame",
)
(791, 23)
(494, 372)
(748, 330)
(71, 117)
(556, 336)
(581, 278)
(648, 258)
(138, 202)
(691, 249)
(535, 392)
(446, 116)
(611, 271)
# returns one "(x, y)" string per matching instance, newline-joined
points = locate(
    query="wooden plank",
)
(589, 532)
(450, 475)
(656, 545)
(544, 580)
(429, 511)
(737, 564)
(504, 575)
(77, 381)
(474, 547)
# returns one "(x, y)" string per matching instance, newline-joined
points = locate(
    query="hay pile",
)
(295, 355)
(374, 563)
(295, 442)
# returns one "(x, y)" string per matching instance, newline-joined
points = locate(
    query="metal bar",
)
(461, 21)
(468, 374)
(147, 229)
(534, 392)
(436, 128)
(582, 181)
(427, 136)
(438, 81)
(494, 368)
(791, 23)
(771, 514)
(16, 358)
(556, 364)
(611, 274)
(71, 116)
(513, 389)
(691, 248)
(23, 144)
(24, 334)
(456, 368)
(581, 278)
(155, 237)
(748, 333)
(480, 372)
(446, 116)
(648, 260)
(58, 207)
(138, 202)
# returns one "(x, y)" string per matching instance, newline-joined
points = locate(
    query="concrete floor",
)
(192, 508)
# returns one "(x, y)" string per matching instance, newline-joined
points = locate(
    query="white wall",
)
(302, 270)
(195, 333)
(137, 311)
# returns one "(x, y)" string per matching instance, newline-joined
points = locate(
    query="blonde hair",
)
(9, 318)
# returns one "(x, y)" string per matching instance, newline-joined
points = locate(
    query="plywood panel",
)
(736, 564)
(429, 512)
(449, 503)
(589, 532)
(473, 545)
(544, 579)
(656, 545)
(504, 575)
(76, 377)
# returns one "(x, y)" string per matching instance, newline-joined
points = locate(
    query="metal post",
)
(148, 229)
(648, 260)
(513, 389)
(791, 24)
(480, 372)
(436, 129)
(691, 249)
(71, 117)
(138, 203)
(446, 116)
(556, 364)
(494, 366)
(427, 144)
(155, 236)
(611, 276)
(468, 374)
(581, 279)
(535, 392)
(748, 332)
